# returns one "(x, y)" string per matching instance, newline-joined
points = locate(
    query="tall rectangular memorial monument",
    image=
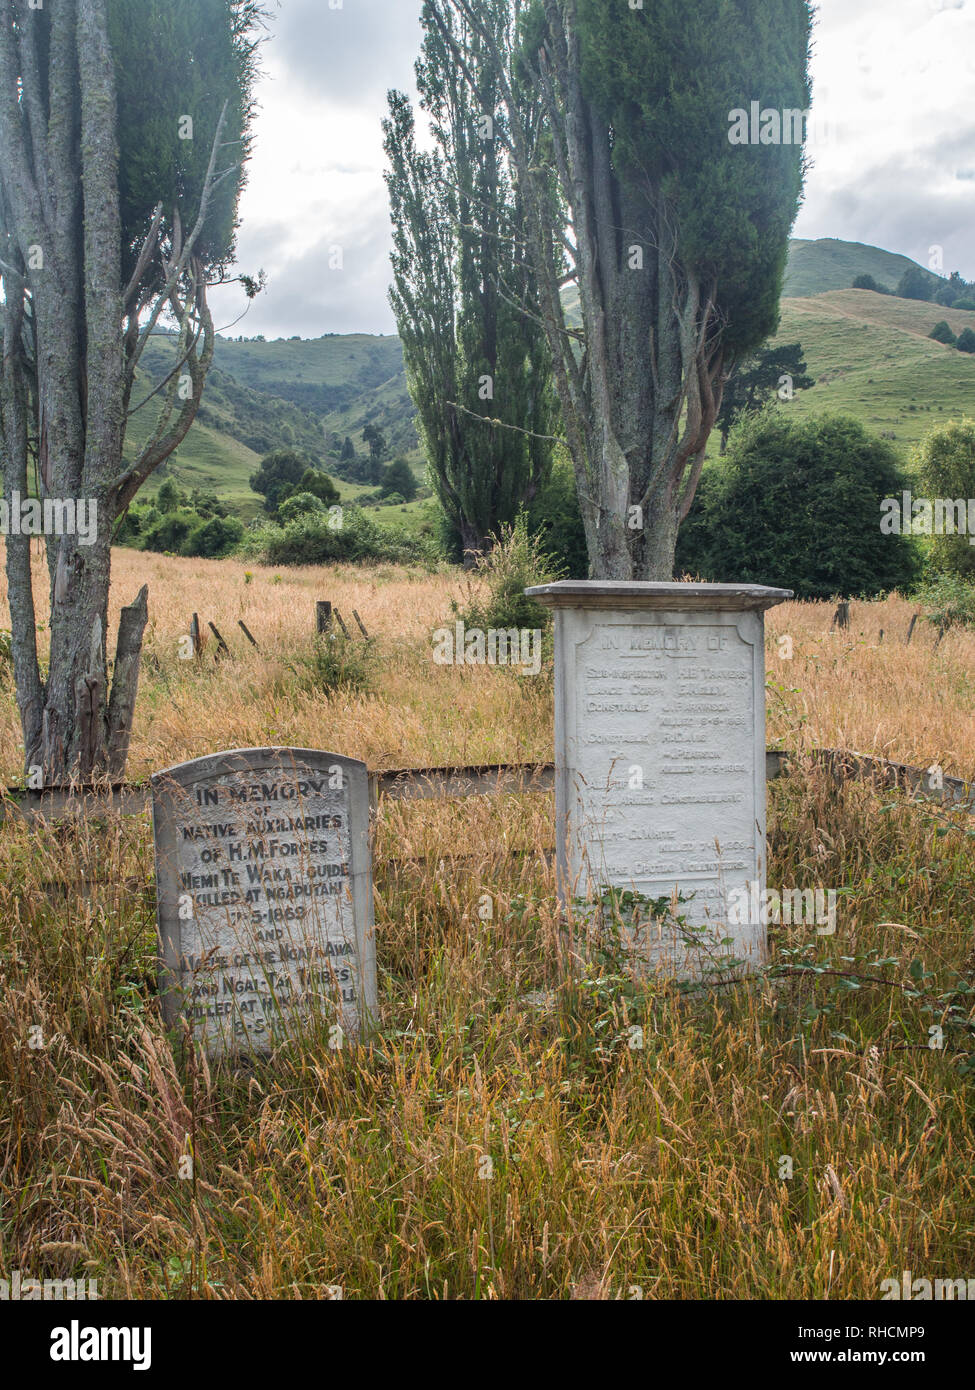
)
(660, 756)
(264, 891)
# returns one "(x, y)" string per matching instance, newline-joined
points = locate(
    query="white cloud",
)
(893, 80)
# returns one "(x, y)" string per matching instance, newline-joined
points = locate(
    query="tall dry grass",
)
(503, 1134)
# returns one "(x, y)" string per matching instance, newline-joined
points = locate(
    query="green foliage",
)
(797, 504)
(279, 474)
(968, 304)
(664, 81)
(516, 562)
(916, 283)
(867, 282)
(398, 478)
(178, 58)
(554, 516)
(182, 532)
(319, 485)
(214, 538)
(170, 498)
(949, 601)
(312, 540)
(338, 663)
(758, 379)
(946, 469)
(965, 341)
(460, 275)
(953, 291)
(941, 333)
(170, 533)
(299, 504)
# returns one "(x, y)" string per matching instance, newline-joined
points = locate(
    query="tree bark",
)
(641, 386)
(72, 338)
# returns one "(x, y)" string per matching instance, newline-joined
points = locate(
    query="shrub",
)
(964, 304)
(554, 515)
(319, 485)
(517, 562)
(949, 601)
(336, 663)
(941, 333)
(312, 541)
(297, 505)
(867, 282)
(398, 480)
(798, 504)
(214, 538)
(170, 532)
(966, 341)
(946, 468)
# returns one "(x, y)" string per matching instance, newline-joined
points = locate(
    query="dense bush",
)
(214, 538)
(798, 504)
(398, 480)
(316, 540)
(916, 283)
(867, 282)
(946, 469)
(966, 341)
(554, 516)
(517, 562)
(299, 504)
(949, 601)
(182, 532)
(941, 333)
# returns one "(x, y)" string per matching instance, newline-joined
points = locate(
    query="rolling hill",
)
(816, 267)
(872, 358)
(870, 355)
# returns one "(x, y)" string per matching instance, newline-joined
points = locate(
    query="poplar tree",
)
(675, 238)
(476, 355)
(124, 130)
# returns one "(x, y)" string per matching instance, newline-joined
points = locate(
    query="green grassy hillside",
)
(815, 267)
(869, 353)
(871, 358)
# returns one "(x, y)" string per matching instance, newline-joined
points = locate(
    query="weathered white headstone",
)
(264, 890)
(660, 754)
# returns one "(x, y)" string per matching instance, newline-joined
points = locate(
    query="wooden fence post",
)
(323, 617)
(222, 647)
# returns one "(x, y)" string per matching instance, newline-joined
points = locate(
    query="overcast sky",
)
(894, 82)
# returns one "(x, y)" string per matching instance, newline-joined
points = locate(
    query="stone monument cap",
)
(649, 594)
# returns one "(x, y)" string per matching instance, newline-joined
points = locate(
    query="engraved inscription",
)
(256, 900)
(663, 760)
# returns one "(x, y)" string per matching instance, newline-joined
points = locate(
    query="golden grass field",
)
(911, 704)
(613, 1169)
